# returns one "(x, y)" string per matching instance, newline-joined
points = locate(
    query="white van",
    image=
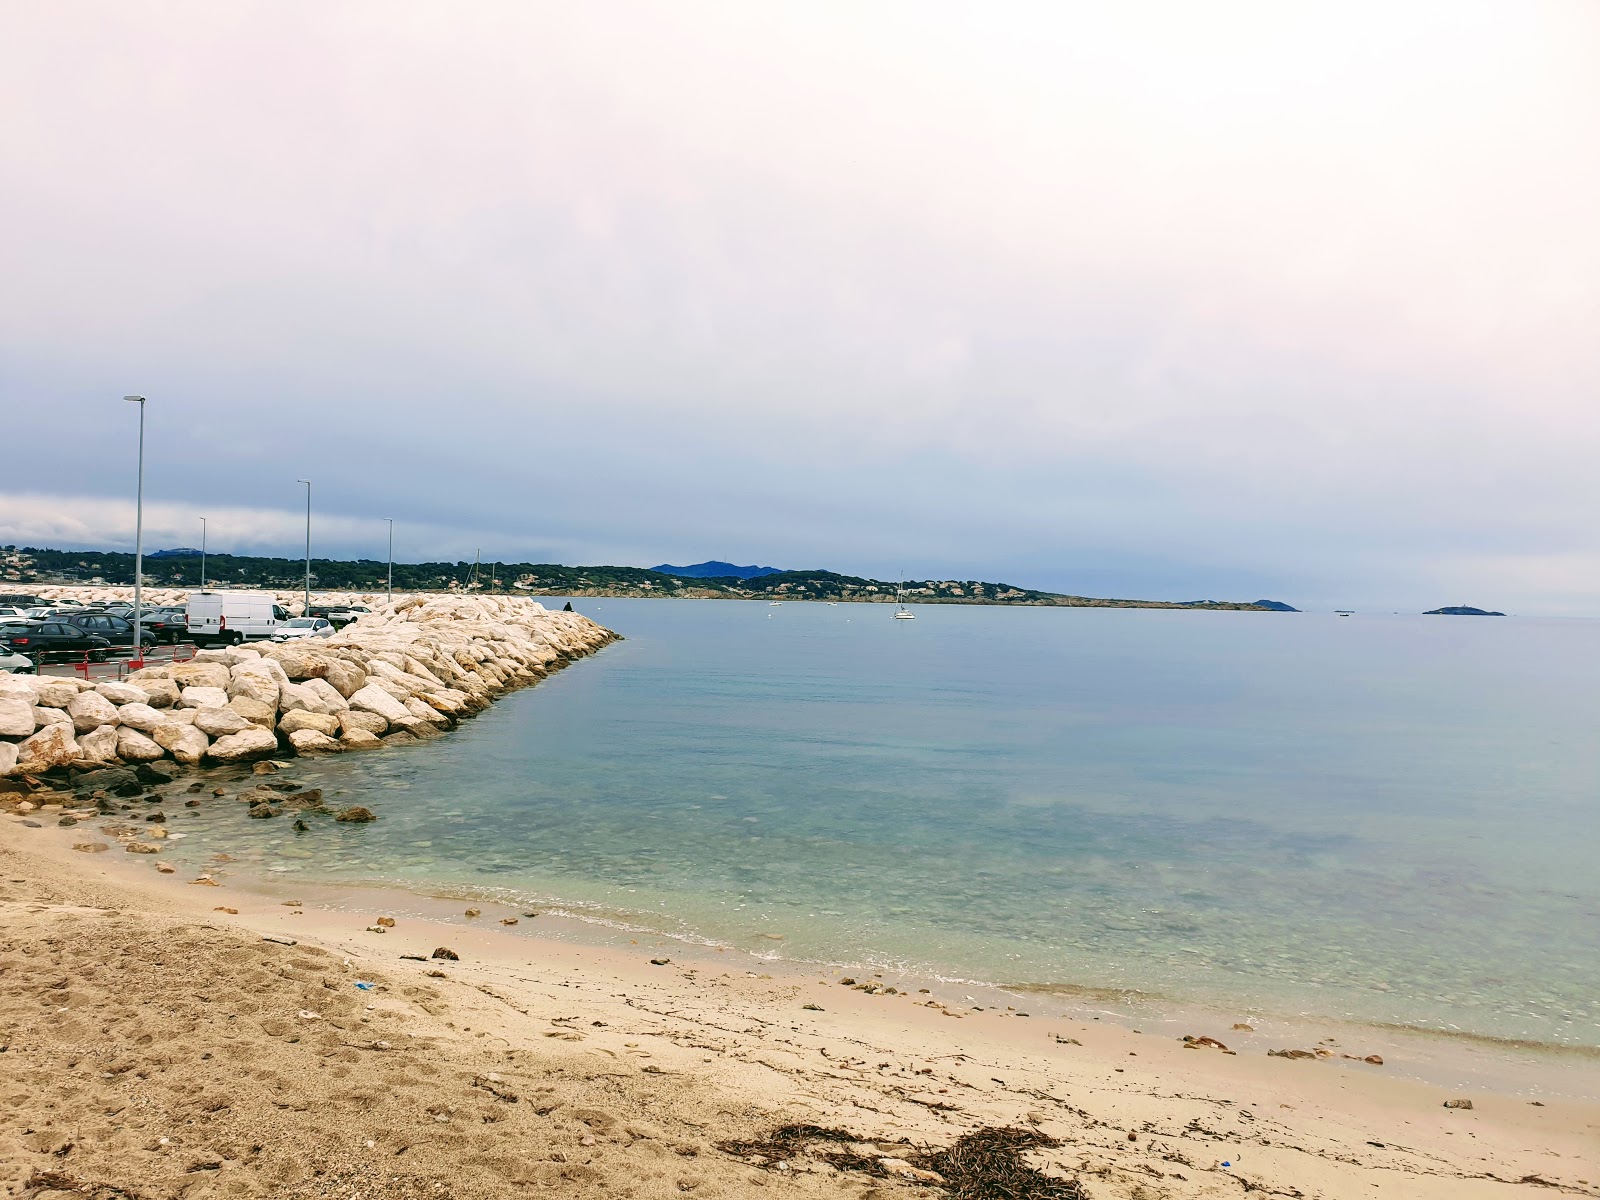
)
(228, 618)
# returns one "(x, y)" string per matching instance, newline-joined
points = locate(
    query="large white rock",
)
(299, 662)
(16, 718)
(446, 700)
(360, 739)
(331, 699)
(254, 685)
(254, 742)
(133, 746)
(221, 721)
(346, 677)
(254, 711)
(140, 716)
(203, 697)
(353, 720)
(55, 693)
(8, 758)
(200, 674)
(19, 687)
(185, 743)
(52, 746)
(50, 716)
(163, 692)
(121, 693)
(309, 741)
(425, 712)
(300, 718)
(374, 699)
(181, 716)
(99, 744)
(297, 696)
(90, 710)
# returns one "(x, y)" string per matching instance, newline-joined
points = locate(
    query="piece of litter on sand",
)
(364, 985)
(280, 941)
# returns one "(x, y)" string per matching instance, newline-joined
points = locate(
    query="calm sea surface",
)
(1391, 819)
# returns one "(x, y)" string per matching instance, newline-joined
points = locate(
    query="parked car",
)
(49, 637)
(304, 627)
(232, 617)
(168, 624)
(19, 599)
(12, 663)
(115, 630)
(340, 614)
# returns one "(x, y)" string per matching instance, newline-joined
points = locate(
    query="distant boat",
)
(1344, 612)
(901, 612)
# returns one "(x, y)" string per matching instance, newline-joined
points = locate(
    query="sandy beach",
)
(167, 1037)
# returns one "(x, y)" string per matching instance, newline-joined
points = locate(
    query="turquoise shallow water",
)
(1390, 819)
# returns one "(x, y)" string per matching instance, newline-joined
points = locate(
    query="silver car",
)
(303, 627)
(12, 663)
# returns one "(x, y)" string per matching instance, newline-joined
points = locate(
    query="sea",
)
(1388, 821)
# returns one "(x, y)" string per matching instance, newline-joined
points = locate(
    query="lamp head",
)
(135, 399)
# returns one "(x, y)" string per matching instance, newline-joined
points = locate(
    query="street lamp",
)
(306, 611)
(202, 554)
(391, 558)
(138, 542)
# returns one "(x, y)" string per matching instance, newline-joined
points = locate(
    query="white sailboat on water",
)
(901, 612)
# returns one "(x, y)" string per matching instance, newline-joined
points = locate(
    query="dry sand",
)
(154, 1045)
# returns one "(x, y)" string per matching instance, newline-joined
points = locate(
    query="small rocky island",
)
(1461, 610)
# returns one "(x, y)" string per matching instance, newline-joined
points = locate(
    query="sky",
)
(1155, 299)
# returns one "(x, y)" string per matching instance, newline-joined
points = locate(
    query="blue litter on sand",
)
(1226, 1164)
(364, 986)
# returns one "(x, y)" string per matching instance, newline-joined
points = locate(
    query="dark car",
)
(51, 637)
(115, 630)
(168, 624)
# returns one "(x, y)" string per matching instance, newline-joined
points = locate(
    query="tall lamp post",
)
(306, 611)
(202, 554)
(138, 541)
(391, 558)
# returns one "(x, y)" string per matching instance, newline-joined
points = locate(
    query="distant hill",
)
(1276, 606)
(717, 570)
(1461, 610)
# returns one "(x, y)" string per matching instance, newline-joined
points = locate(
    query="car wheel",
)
(97, 656)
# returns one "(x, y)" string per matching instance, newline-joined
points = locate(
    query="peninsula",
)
(39, 566)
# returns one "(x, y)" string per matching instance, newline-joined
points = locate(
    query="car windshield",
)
(301, 623)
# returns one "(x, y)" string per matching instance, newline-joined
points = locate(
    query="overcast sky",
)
(1179, 300)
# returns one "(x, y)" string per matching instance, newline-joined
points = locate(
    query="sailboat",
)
(901, 612)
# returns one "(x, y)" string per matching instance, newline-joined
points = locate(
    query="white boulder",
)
(52, 746)
(184, 742)
(139, 716)
(99, 744)
(300, 718)
(90, 710)
(221, 721)
(374, 699)
(133, 746)
(309, 741)
(203, 697)
(16, 718)
(251, 743)
(121, 693)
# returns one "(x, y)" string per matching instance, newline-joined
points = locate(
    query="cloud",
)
(1256, 297)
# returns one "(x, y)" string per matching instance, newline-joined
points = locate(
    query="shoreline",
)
(696, 1049)
(1452, 1059)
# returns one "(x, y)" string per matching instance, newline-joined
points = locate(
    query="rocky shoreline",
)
(407, 671)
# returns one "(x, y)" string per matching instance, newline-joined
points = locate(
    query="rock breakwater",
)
(407, 671)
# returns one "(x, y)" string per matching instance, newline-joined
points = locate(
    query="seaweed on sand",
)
(986, 1164)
